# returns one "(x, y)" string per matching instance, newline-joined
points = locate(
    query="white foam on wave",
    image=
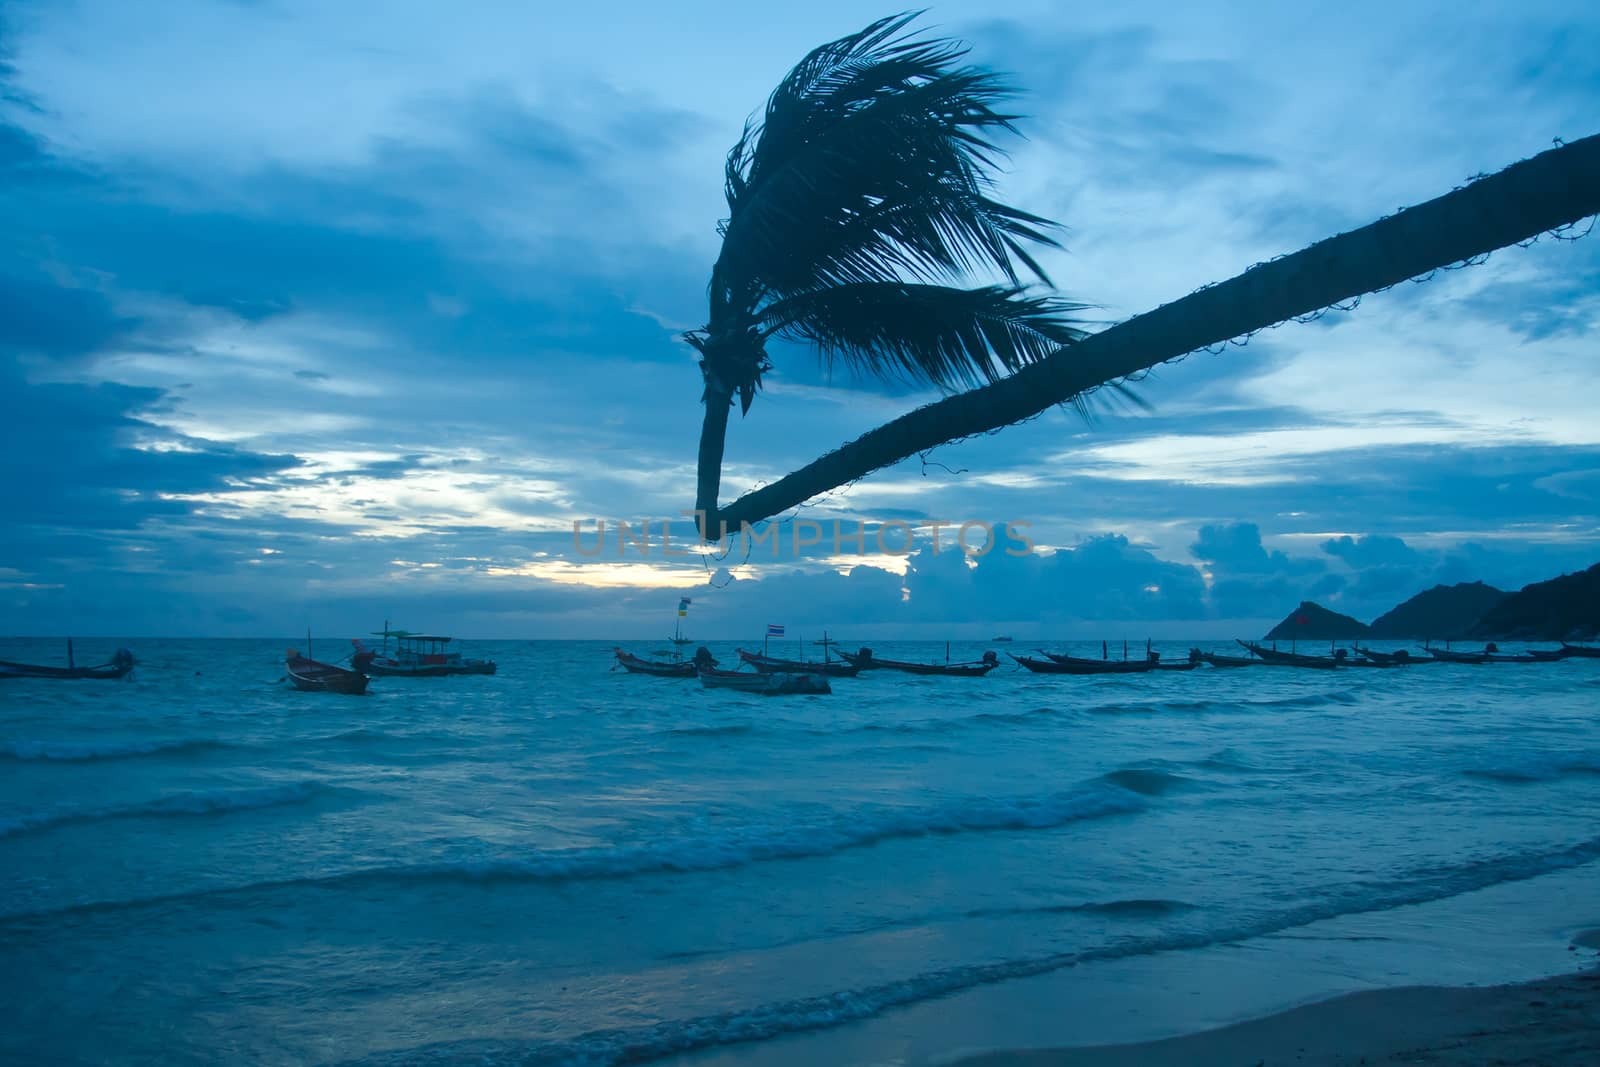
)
(800, 837)
(736, 845)
(763, 1022)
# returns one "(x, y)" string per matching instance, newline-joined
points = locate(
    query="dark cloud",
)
(40, 317)
(1373, 550)
(487, 283)
(91, 462)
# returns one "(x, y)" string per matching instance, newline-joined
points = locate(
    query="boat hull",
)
(943, 670)
(769, 684)
(1216, 659)
(1273, 658)
(120, 665)
(401, 670)
(1085, 667)
(309, 676)
(635, 665)
(769, 665)
(1444, 655)
(1400, 658)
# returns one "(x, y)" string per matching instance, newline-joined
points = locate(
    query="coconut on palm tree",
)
(857, 205)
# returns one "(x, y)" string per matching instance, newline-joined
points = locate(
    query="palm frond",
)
(874, 161)
(933, 334)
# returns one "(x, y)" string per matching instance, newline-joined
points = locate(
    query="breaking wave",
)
(605, 1048)
(735, 846)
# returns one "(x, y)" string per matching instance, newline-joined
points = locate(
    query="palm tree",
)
(855, 204)
(1556, 188)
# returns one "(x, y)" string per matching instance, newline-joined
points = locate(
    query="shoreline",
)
(1550, 1022)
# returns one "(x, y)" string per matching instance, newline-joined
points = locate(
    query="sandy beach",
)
(1549, 1023)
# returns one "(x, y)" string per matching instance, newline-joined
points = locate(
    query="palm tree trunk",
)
(1553, 189)
(713, 438)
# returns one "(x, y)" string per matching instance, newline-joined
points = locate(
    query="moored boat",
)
(117, 666)
(1531, 655)
(1447, 655)
(773, 665)
(676, 666)
(660, 668)
(1217, 659)
(315, 677)
(672, 668)
(1073, 665)
(416, 656)
(1274, 658)
(865, 660)
(1398, 658)
(1581, 651)
(766, 684)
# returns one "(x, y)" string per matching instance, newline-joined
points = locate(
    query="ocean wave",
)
(1337, 698)
(728, 730)
(605, 1048)
(1138, 908)
(1024, 717)
(792, 838)
(787, 839)
(1538, 769)
(194, 802)
(81, 751)
(1147, 781)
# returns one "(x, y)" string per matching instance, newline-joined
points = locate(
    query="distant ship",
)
(1001, 638)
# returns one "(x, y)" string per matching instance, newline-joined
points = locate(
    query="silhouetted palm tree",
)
(854, 205)
(1556, 188)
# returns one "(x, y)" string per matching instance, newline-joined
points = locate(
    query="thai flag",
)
(774, 631)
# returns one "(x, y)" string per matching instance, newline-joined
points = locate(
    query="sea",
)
(568, 864)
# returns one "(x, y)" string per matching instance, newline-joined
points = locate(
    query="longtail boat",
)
(1072, 665)
(1152, 661)
(117, 667)
(768, 684)
(1492, 650)
(682, 668)
(1398, 658)
(1217, 659)
(415, 656)
(1450, 656)
(1581, 651)
(1273, 658)
(865, 660)
(773, 665)
(676, 666)
(315, 677)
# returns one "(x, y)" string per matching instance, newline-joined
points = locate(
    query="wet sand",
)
(1550, 1023)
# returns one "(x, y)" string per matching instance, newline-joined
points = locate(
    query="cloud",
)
(417, 300)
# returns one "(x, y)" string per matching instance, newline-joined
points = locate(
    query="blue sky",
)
(326, 313)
